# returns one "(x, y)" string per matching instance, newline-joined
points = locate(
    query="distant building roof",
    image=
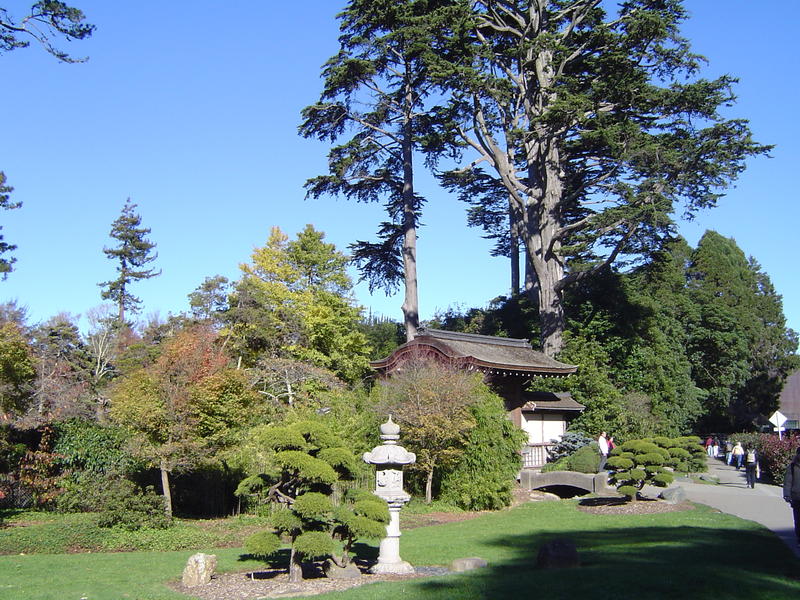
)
(789, 401)
(550, 401)
(495, 355)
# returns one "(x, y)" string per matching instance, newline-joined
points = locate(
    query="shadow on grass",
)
(642, 563)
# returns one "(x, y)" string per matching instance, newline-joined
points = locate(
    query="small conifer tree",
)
(307, 462)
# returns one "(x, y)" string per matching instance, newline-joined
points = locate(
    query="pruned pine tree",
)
(598, 127)
(374, 99)
(307, 461)
(133, 253)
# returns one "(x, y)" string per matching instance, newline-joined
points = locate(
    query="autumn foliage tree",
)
(431, 402)
(294, 300)
(161, 404)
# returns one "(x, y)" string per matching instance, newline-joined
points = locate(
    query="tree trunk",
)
(295, 567)
(551, 311)
(165, 490)
(429, 487)
(411, 302)
(513, 251)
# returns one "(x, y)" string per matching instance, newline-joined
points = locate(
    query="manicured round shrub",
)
(262, 544)
(314, 544)
(312, 506)
(663, 479)
(619, 462)
(284, 520)
(585, 460)
(628, 490)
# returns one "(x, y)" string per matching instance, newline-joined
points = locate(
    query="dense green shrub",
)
(585, 460)
(485, 475)
(126, 506)
(89, 447)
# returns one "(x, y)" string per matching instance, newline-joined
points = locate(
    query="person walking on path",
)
(728, 451)
(738, 455)
(791, 491)
(602, 444)
(709, 446)
(751, 468)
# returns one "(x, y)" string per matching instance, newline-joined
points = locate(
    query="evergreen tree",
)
(375, 92)
(5, 247)
(294, 300)
(47, 20)
(133, 252)
(740, 347)
(597, 127)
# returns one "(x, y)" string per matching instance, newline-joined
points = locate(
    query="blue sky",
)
(191, 110)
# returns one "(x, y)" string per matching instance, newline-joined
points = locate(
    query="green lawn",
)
(672, 555)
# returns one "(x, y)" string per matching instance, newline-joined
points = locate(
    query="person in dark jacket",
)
(791, 491)
(751, 467)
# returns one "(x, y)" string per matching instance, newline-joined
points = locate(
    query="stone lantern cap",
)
(390, 453)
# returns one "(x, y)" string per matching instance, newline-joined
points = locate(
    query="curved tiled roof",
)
(555, 401)
(488, 353)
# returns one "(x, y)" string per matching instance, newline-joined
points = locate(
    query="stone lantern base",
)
(398, 568)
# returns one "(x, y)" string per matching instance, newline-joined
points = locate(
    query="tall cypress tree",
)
(596, 124)
(133, 252)
(375, 96)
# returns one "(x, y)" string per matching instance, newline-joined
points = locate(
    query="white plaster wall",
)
(543, 427)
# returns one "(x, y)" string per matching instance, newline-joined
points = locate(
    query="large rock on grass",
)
(199, 569)
(467, 564)
(673, 495)
(334, 571)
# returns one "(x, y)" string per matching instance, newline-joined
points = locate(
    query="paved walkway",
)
(763, 504)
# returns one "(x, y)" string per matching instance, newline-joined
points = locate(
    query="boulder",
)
(334, 571)
(467, 564)
(673, 495)
(560, 553)
(199, 569)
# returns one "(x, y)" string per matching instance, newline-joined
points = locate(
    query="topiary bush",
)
(308, 460)
(644, 461)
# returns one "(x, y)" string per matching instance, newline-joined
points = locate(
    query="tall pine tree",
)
(133, 253)
(374, 98)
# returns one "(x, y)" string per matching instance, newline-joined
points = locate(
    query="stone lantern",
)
(389, 459)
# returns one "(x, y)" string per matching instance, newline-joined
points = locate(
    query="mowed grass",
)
(685, 554)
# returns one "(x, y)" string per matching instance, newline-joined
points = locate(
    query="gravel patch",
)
(273, 583)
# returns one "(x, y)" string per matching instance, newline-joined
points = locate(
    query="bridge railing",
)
(534, 456)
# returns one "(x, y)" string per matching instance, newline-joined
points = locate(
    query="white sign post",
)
(778, 419)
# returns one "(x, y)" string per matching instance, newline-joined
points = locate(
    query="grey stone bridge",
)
(596, 483)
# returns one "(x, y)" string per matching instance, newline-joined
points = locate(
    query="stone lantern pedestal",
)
(389, 459)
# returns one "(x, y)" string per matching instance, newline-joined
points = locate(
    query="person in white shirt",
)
(602, 444)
